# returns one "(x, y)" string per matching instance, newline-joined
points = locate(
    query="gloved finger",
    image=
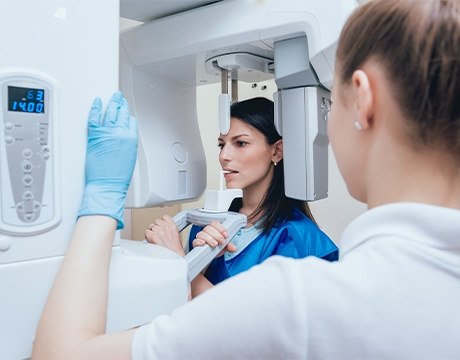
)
(94, 117)
(132, 125)
(123, 113)
(111, 113)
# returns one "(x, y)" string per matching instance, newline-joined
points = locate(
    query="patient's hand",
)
(164, 232)
(214, 234)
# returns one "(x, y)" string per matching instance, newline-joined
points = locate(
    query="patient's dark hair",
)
(275, 206)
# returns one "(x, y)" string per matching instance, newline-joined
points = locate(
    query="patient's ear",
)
(277, 151)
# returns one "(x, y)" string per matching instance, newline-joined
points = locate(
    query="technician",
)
(395, 131)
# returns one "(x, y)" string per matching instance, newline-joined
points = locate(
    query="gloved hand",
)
(110, 158)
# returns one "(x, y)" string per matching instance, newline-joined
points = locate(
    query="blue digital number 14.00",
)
(28, 106)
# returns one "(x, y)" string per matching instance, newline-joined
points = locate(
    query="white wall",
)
(332, 214)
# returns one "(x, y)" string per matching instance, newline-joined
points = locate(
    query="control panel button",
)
(20, 207)
(9, 126)
(27, 153)
(9, 140)
(36, 206)
(28, 195)
(27, 166)
(29, 217)
(27, 180)
(45, 152)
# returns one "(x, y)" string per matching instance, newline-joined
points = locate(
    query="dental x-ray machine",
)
(57, 55)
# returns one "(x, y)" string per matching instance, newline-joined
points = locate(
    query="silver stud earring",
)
(358, 125)
(275, 163)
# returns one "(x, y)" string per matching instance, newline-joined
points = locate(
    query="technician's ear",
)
(277, 151)
(364, 99)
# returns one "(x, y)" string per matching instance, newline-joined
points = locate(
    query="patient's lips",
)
(228, 171)
(229, 174)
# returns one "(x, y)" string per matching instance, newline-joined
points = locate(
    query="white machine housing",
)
(68, 50)
(173, 56)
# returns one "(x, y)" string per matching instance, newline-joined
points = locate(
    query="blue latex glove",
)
(110, 158)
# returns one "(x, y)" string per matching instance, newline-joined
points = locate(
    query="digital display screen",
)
(26, 100)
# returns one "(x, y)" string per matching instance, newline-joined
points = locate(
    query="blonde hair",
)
(418, 43)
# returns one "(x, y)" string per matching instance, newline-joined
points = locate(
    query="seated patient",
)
(251, 156)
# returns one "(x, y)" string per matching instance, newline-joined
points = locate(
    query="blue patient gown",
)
(297, 237)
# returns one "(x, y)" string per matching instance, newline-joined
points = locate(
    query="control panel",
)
(28, 203)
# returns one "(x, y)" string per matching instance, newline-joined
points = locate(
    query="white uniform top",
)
(394, 294)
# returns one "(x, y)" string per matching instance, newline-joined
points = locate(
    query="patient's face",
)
(245, 157)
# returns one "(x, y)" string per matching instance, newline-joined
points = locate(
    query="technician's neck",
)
(423, 177)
